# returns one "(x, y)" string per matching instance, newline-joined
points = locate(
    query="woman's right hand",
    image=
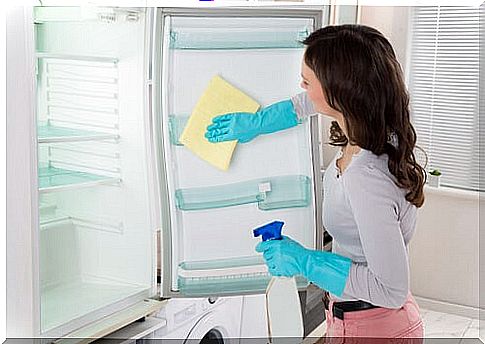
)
(241, 126)
(245, 126)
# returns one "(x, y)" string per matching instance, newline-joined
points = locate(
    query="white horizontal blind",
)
(444, 77)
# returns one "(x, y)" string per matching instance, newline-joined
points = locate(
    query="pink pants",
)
(386, 324)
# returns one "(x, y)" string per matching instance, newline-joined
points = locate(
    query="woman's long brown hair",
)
(362, 79)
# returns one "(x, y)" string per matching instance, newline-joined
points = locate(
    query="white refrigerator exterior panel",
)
(221, 238)
(93, 250)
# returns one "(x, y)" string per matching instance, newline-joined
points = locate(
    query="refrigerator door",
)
(96, 233)
(208, 214)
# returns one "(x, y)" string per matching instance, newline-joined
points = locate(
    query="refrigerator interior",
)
(213, 212)
(96, 233)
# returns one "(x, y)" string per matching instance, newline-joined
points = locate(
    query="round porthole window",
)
(212, 337)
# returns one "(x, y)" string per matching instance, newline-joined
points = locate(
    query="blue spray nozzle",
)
(270, 231)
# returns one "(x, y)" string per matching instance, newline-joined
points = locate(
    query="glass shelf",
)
(225, 276)
(69, 300)
(49, 134)
(270, 193)
(201, 39)
(53, 179)
(176, 125)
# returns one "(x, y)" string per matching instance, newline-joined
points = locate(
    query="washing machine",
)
(201, 320)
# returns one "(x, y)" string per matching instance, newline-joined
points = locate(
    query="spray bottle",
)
(283, 309)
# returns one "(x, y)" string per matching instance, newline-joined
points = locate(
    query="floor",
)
(444, 325)
(438, 325)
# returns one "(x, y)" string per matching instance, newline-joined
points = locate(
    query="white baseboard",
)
(445, 307)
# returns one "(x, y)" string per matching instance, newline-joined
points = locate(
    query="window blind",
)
(443, 84)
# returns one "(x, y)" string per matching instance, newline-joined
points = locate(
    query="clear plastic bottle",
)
(283, 309)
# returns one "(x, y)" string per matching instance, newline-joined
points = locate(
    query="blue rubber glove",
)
(245, 126)
(287, 257)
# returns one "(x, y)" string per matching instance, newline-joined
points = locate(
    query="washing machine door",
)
(209, 329)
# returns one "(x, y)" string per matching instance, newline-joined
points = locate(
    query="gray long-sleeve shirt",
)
(371, 223)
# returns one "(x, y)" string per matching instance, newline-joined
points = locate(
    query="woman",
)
(372, 188)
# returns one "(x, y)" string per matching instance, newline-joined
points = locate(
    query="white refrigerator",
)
(99, 190)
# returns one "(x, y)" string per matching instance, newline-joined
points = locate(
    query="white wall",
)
(393, 23)
(444, 253)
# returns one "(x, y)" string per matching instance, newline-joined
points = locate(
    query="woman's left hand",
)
(283, 257)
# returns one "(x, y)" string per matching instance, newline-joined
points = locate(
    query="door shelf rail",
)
(279, 192)
(243, 274)
(176, 125)
(53, 179)
(51, 134)
(191, 267)
(236, 38)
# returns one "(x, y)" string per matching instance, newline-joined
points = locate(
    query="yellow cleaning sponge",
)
(219, 98)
